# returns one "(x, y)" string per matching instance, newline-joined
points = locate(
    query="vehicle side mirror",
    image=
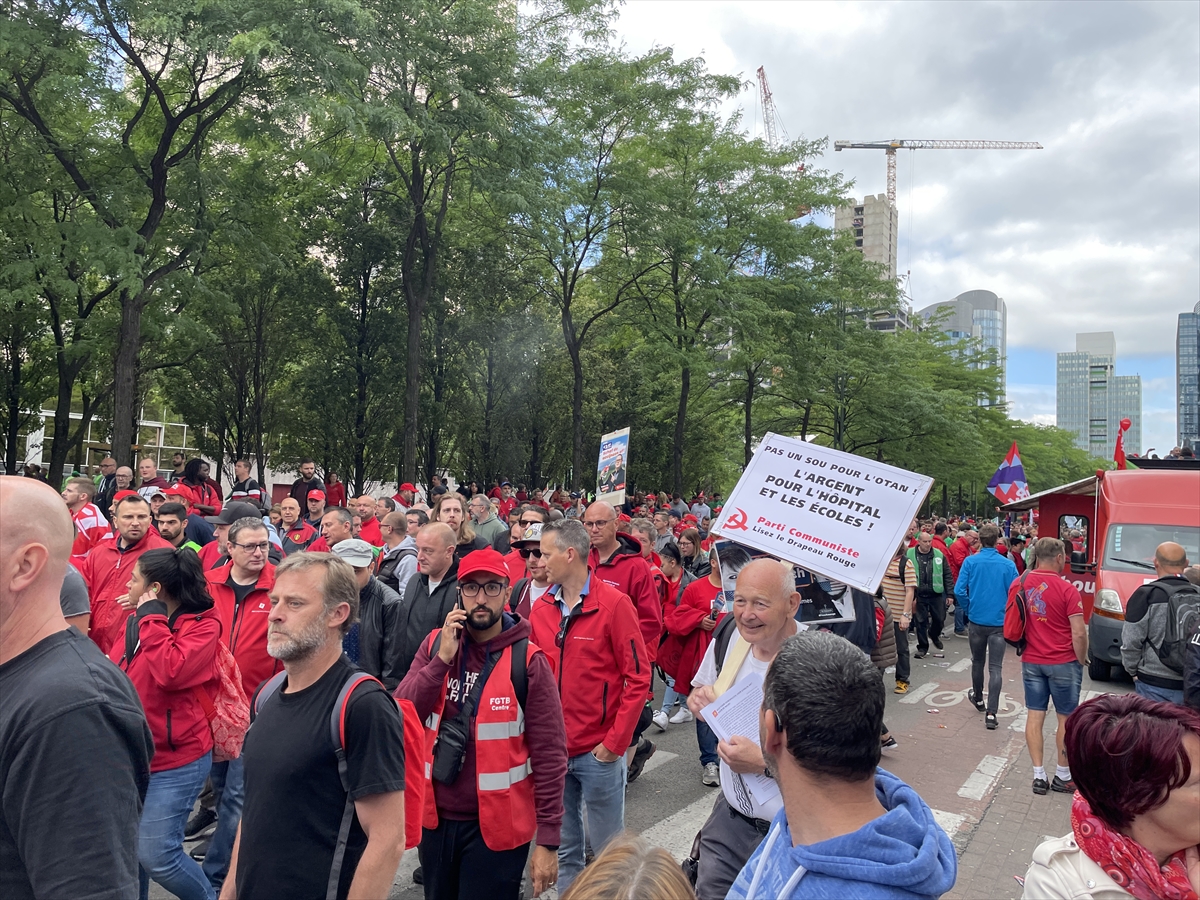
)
(1078, 568)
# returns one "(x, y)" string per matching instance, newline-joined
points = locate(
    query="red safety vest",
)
(507, 814)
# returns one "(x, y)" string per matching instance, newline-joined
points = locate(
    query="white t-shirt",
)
(735, 791)
(535, 592)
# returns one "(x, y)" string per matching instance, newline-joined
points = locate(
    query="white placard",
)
(735, 714)
(831, 512)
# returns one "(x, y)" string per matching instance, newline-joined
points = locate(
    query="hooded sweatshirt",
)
(902, 854)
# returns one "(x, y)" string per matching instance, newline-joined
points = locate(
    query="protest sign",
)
(820, 602)
(610, 471)
(833, 513)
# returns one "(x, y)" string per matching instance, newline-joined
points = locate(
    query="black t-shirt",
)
(75, 755)
(240, 591)
(294, 797)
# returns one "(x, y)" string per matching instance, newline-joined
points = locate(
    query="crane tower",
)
(771, 124)
(890, 147)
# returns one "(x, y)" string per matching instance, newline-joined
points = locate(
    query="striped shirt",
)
(893, 589)
(90, 529)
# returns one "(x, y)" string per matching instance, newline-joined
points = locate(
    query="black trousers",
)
(457, 865)
(930, 619)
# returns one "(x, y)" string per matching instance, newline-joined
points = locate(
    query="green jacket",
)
(939, 564)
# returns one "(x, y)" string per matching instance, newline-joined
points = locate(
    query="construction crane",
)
(771, 124)
(890, 147)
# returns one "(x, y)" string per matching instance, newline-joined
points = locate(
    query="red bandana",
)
(1126, 861)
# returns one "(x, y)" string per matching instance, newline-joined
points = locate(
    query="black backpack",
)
(1183, 621)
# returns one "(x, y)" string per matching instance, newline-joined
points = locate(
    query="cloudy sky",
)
(1100, 231)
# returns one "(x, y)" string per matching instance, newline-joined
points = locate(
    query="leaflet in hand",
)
(735, 713)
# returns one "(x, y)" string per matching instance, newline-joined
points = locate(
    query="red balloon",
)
(1125, 423)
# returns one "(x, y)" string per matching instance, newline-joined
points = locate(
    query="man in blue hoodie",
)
(847, 827)
(982, 590)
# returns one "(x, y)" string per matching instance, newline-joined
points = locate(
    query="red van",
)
(1117, 520)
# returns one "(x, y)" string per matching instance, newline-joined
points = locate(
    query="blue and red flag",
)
(1008, 484)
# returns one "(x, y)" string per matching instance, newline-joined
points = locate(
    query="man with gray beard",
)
(311, 827)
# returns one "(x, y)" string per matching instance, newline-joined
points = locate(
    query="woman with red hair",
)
(1135, 820)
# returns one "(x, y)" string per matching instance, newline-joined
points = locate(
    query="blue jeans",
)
(1150, 692)
(960, 615)
(1043, 681)
(670, 696)
(230, 791)
(601, 787)
(707, 740)
(169, 800)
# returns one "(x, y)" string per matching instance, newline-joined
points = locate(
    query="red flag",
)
(1119, 453)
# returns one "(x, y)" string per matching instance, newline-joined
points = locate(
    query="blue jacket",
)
(983, 582)
(902, 854)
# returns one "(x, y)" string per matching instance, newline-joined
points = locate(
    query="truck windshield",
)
(1128, 544)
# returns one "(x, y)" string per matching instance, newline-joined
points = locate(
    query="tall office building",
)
(876, 227)
(976, 314)
(1093, 399)
(1187, 378)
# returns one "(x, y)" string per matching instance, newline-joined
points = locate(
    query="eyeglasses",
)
(598, 523)
(255, 548)
(527, 552)
(562, 632)
(472, 588)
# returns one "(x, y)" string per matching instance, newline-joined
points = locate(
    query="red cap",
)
(121, 495)
(407, 487)
(486, 560)
(690, 518)
(318, 494)
(623, 518)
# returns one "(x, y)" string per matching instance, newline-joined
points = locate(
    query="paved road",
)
(977, 781)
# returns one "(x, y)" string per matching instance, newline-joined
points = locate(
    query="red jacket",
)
(506, 506)
(245, 624)
(955, 554)
(371, 534)
(515, 563)
(167, 667)
(335, 494)
(602, 669)
(630, 574)
(299, 537)
(107, 570)
(683, 650)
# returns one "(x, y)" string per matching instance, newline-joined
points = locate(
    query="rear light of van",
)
(1108, 604)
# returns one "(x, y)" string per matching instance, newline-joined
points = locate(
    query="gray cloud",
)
(1099, 231)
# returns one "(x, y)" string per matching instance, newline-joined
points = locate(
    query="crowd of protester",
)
(313, 686)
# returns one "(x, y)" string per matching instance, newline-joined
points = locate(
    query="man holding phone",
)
(497, 753)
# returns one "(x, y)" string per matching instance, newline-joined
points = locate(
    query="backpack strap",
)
(337, 728)
(517, 595)
(519, 675)
(270, 687)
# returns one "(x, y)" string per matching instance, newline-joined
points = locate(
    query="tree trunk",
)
(125, 382)
(576, 416)
(685, 388)
(14, 408)
(748, 413)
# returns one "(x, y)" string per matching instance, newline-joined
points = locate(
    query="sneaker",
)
(711, 776)
(890, 743)
(961, 634)
(684, 715)
(937, 642)
(199, 821)
(920, 654)
(990, 721)
(645, 750)
(1040, 786)
(660, 720)
(975, 701)
(201, 850)
(418, 876)
(901, 687)
(1062, 787)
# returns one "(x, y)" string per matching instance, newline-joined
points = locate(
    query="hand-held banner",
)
(831, 512)
(612, 467)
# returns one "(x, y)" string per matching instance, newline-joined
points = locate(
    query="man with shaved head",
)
(1146, 625)
(431, 593)
(616, 559)
(69, 718)
(366, 508)
(765, 602)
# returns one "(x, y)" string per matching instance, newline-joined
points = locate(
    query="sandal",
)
(990, 721)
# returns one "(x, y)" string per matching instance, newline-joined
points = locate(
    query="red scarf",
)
(1126, 861)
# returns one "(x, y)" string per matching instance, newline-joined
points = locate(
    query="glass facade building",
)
(1187, 378)
(976, 314)
(1092, 399)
